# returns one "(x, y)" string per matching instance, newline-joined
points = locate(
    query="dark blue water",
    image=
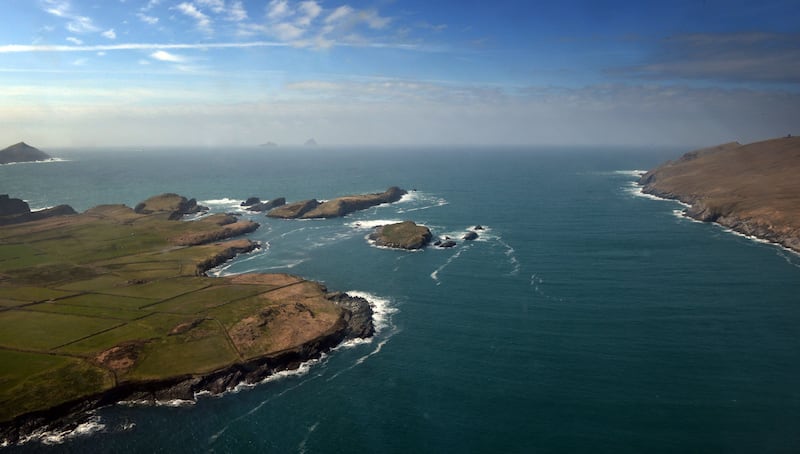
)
(585, 318)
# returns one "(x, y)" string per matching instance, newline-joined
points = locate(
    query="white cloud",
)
(110, 34)
(310, 10)
(278, 9)
(216, 6)
(287, 32)
(236, 12)
(152, 20)
(74, 40)
(151, 4)
(80, 61)
(81, 24)
(373, 19)
(101, 54)
(203, 21)
(338, 14)
(162, 55)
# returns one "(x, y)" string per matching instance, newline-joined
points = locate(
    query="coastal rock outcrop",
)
(402, 235)
(22, 152)
(294, 210)
(16, 211)
(338, 207)
(752, 189)
(176, 205)
(469, 236)
(268, 205)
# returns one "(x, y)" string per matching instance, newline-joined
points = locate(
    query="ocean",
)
(585, 318)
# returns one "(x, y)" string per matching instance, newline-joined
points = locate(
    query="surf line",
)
(435, 274)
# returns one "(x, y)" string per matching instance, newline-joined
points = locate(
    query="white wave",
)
(371, 224)
(301, 448)
(56, 437)
(435, 274)
(631, 173)
(510, 252)
(382, 309)
(635, 189)
(45, 161)
(427, 201)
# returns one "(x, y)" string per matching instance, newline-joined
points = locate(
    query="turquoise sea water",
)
(585, 319)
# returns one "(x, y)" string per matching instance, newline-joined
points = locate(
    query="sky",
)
(397, 72)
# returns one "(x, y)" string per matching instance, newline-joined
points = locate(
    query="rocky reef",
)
(402, 235)
(22, 152)
(338, 207)
(752, 189)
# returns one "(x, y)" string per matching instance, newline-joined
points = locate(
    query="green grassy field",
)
(110, 296)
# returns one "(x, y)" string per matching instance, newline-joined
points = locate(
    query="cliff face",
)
(752, 189)
(22, 152)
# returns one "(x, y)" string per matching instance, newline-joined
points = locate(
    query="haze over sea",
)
(585, 318)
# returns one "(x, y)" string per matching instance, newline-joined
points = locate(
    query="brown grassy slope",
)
(753, 188)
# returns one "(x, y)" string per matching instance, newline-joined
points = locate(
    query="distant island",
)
(114, 304)
(753, 189)
(22, 152)
(340, 206)
(268, 144)
(311, 143)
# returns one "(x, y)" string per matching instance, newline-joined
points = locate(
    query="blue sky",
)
(209, 72)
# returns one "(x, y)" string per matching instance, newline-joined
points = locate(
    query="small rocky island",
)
(338, 207)
(22, 152)
(114, 304)
(753, 189)
(402, 235)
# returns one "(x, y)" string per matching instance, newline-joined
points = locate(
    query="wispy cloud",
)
(162, 55)
(110, 34)
(216, 6)
(203, 21)
(75, 22)
(74, 40)
(152, 20)
(236, 12)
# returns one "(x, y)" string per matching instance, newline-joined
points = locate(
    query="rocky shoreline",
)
(298, 322)
(750, 189)
(355, 322)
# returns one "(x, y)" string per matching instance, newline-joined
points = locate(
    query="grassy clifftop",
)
(113, 297)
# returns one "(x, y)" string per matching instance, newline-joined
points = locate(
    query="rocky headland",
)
(15, 211)
(401, 235)
(22, 152)
(338, 207)
(114, 304)
(752, 189)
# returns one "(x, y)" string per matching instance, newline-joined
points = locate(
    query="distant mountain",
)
(22, 152)
(268, 144)
(311, 143)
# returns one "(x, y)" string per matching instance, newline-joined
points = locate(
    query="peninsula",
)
(341, 206)
(22, 152)
(752, 189)
(114, 304)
